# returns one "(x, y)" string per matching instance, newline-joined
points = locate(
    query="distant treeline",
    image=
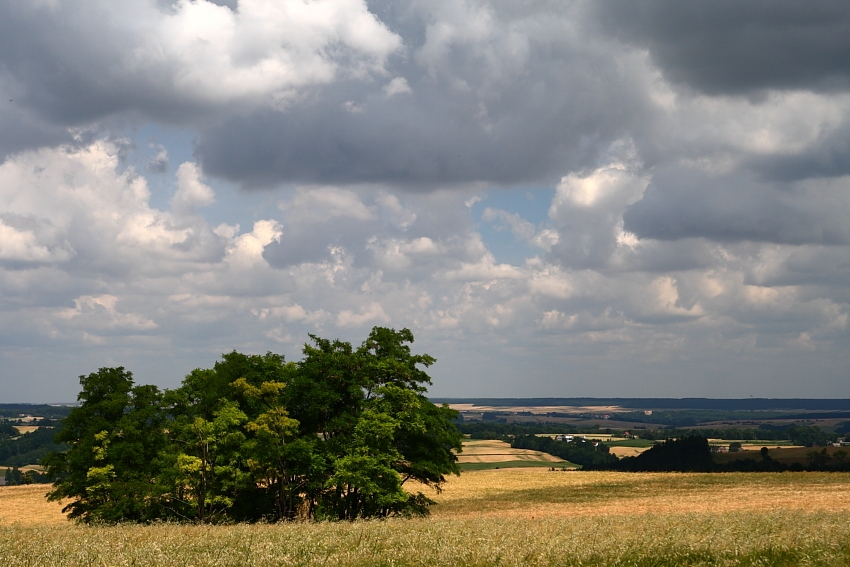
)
(806, 435)
(747, 404)
(691, 417)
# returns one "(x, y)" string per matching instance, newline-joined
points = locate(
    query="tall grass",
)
(506, 517)
(671, 539)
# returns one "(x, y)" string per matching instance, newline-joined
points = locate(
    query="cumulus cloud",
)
(30, 240)
(191, 192)
(187, 56)
(74, 205)
(396, 87)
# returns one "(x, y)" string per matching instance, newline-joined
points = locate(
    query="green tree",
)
(819, 459)
(114, 437)
(278, 462)
(205, 467)
(378, 430)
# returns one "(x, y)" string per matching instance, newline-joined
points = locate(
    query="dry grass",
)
(489, 451)
(513, 517)
(26, 428)
(721, 540)
(27, 505)
(540, 492)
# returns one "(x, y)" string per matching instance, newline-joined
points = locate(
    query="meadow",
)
(492, 517)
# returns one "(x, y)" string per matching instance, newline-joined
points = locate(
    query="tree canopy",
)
(341, 434)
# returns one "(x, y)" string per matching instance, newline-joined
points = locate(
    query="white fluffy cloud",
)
(187, 56)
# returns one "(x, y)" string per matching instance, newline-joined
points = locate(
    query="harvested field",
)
(514, 517)
(487, 451)
(26, 428)
(627, 451)
(27, 505)
(544, 493)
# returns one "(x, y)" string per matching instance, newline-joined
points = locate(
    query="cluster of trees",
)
(692, 453)
(809, 435)
(579, 451)
(7, 430)
(336, 435)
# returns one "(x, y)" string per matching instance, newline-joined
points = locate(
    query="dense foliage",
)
(7, 430)
(687, 454)
(336, 435)
(589, 454)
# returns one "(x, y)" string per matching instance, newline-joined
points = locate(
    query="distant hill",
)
(47, 411)
(745, 404)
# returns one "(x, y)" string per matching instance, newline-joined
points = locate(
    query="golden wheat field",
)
(498, 517)
(492, 451)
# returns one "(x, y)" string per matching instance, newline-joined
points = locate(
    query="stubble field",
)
(499, 517)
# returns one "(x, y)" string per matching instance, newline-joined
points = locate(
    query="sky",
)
(586, 198)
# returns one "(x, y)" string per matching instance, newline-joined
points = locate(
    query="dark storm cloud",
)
(405, 142)
(36, 47)
(826, 157)
(19, 130)
(560, 112)
(826, 266)
(664, 257)
(733, 47)
(682, 203)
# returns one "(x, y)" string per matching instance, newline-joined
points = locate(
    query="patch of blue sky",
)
(148, 141)
(232, 204)
(531, 203)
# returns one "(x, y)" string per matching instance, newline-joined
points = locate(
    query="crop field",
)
(627, 451)
(508, 517)
(487, 454)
